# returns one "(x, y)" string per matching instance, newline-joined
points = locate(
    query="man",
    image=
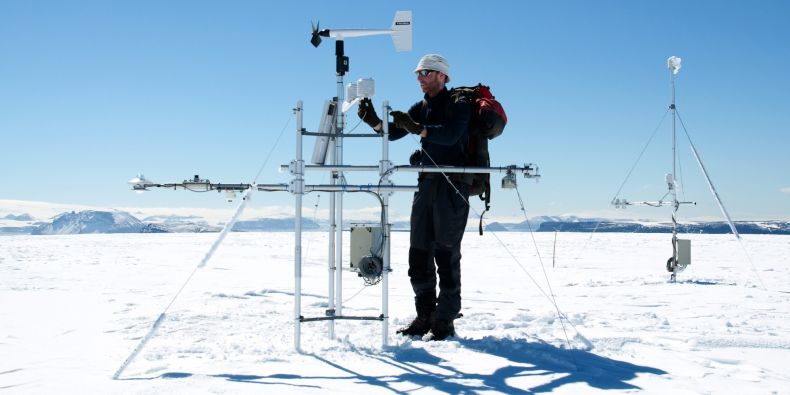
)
(440, 207)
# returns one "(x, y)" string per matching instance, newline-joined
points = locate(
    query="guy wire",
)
(647, 144)
(721, 205)
(202, 263)
(640, 155)
(315, 216)
(274, 146)
(561, 315)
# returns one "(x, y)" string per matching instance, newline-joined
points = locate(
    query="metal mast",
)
(681, 249)
(672, 265)
(680, 253)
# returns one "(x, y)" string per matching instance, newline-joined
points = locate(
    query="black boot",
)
(419, 327)
(442, 329)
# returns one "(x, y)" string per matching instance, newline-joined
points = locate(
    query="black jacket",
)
(447, 122)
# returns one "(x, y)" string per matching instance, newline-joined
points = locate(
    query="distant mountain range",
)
(181, 224)
(609, 226)
(20, 217)
(22, 224)
(93, 221)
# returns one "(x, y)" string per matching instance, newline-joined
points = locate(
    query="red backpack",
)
(487, 122)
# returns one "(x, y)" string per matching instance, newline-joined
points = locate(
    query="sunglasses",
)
(424, 73)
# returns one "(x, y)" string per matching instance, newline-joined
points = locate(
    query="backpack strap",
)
(486, 197)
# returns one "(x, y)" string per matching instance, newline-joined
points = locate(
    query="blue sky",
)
(93, 92)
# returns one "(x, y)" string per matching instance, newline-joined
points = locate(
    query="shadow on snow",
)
(528, 358)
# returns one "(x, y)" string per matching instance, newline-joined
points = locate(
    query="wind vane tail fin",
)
(401, 31)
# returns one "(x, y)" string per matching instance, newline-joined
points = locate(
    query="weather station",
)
(681, 248)
(369, 243)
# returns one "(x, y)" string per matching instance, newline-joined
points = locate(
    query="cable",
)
(315, 216)
(202, 263)
(560, 314)
(537, 251)
(355, 127)
(274, 146)
(584, 247)
(228, 226)
(718, 200)
(748, 257)
(355, 295)
(649, 140)
(640, 155)
(196, 191)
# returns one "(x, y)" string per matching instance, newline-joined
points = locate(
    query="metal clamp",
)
(296, 167)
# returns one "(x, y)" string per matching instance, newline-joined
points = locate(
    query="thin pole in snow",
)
(554, 251)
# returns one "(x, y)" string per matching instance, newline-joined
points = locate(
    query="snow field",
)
(72, 308)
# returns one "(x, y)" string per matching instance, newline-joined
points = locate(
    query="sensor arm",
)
(623, 203)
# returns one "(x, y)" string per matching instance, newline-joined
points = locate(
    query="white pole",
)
(298, 190)
(385, 165)
(331, 243)
(339, 203)
(674, 191)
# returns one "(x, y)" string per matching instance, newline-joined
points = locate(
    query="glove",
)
(367, 113)
(416, 158)
(404, 121)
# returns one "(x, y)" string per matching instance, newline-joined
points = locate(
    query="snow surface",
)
(73, 307)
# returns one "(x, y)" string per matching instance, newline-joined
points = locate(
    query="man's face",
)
(431, 81)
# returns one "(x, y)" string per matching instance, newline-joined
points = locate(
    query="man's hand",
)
(403, 120)
(367, 113)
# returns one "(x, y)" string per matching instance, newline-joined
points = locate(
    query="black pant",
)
(438, 218)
